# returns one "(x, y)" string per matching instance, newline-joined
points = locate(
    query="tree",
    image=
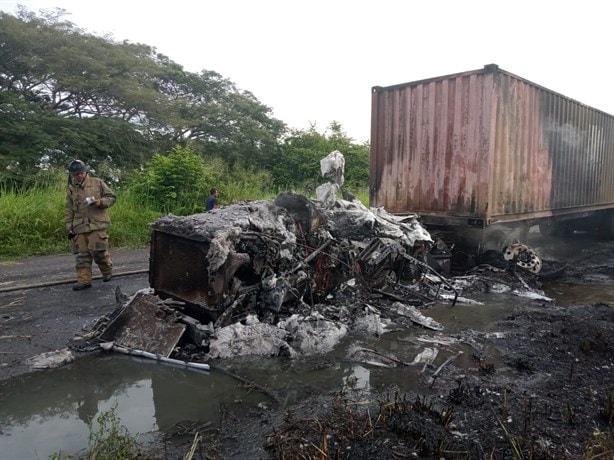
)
(35, 137)
(297, 161)
(213, 116)
(76, 94)
(50, 61)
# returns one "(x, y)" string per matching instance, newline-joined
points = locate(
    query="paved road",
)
(57, 269)
(43, 318)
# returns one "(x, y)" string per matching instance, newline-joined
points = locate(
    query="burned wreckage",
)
(291, 277)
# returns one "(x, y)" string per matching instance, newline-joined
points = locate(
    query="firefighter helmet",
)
(77, 166)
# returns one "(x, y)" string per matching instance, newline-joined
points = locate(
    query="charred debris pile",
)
(292, 276)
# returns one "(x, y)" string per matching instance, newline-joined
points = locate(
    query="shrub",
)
(178, 182)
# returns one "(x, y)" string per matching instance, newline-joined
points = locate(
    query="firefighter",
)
(87, 220)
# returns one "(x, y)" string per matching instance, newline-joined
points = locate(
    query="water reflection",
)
(357, 378)
(573, 294)
(49, 411)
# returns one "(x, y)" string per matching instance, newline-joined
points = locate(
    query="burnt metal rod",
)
(432, 270)
(377, 353)
(66, 281)
(245, 381)
(311, 256)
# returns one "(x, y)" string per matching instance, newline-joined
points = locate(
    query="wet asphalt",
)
(39, 311)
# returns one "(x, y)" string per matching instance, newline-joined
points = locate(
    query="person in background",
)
(87, 220)
(211, 202)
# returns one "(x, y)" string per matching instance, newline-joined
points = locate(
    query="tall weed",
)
(130, 221)
(110, 440)
(32, 222)
(246, 184)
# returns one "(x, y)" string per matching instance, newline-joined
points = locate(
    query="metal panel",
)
(142, 325)
(487, 145)
(179, 269)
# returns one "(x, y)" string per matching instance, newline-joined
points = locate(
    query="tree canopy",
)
(66, 93)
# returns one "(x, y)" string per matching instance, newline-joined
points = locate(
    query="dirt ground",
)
(550, 394)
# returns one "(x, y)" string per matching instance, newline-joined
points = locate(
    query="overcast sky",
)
(315, 61)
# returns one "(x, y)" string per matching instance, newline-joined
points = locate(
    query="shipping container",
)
(486, 147)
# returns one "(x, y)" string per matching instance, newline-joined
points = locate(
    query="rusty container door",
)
(485, 146)
(178, 268)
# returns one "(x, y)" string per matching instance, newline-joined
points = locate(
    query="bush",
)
(177, 183)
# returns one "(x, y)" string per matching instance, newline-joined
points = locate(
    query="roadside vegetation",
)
(159, 135)
(376, 427)
(32, 216)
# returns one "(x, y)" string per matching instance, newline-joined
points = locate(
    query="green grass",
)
(130, 222)
(32, 223)
(362, 194)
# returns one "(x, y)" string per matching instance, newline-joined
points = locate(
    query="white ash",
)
(313, 334)
(326, 194)
(332, 167)
(252, 338)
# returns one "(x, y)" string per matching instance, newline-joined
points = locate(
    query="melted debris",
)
(293, 276)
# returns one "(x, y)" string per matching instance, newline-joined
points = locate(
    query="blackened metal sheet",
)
(179, 269)
(142, 325)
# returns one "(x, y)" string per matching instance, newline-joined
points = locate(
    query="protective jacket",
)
(78, 215)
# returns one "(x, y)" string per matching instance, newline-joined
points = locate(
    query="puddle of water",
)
(579, 248)
(48, 411)
(581, 294)
(479, 317)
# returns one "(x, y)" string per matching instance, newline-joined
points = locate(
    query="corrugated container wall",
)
(486, 146)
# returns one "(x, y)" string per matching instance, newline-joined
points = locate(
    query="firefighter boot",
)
(84, 279)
